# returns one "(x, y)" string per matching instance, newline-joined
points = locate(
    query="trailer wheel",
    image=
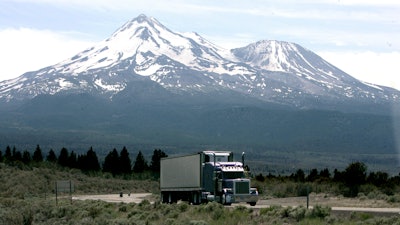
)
(195, 198)
(164, 197)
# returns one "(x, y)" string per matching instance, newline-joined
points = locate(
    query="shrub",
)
(271, 211)
(394, 198)
(10, 217)
(303, 189)
(212, 206)
(217, 214)
(298, 213)
(145, 205)
(320, 211)
(94, 211)
(198, 222)
(153, 215)
(183, 206)
(122, 208)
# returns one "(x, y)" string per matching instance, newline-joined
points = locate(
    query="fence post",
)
(56, 193)
(308, 196)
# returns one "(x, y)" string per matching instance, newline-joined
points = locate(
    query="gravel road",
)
(126, 198)
(337, 205)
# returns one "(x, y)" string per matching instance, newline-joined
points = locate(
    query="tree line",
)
(115, 162)
(351, 179)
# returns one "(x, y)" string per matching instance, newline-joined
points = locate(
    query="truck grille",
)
(242, 187)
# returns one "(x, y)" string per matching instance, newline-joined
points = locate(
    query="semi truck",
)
(205, 176)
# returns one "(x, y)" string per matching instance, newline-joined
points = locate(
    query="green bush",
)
(320, 211)
(298, 213)
(198, 222)
(393, 199)
(183, 206)
(271, 211)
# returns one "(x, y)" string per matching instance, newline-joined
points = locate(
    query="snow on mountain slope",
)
(290, 58)
(317, 76)
(144, 48)
(145, 39)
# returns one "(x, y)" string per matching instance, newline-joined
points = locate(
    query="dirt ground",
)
(117, 197)
(328, 200)
(337, 204)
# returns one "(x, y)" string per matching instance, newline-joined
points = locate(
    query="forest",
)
(114, 163)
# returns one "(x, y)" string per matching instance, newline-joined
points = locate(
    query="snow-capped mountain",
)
(271, 71)
(149, 86)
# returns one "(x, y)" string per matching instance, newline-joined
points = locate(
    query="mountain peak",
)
(142, 18)
(140, 22)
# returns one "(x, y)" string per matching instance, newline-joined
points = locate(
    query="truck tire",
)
(164, 197)
(224, 202)
(196, 200)
(252, 203)
(168, 197)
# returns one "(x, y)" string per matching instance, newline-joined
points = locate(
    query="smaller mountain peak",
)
(272, 42)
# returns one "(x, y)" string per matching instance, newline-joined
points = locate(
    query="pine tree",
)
(325, 173)
(125, 164)
(16, 155)
(82, 162)
(72, 160)
(140, 163)
(26, 157)
(51, 157)
(111, 162)
(89, 162)
(37, 155)
(354, 176)
(1, 156)
(7, 154)
(155, 160)
(63, 157)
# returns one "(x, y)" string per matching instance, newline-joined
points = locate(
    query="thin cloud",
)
(27, 49)
(372, 67)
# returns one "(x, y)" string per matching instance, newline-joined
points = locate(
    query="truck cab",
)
(225, 181)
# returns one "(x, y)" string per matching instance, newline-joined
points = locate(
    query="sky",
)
(361, 37)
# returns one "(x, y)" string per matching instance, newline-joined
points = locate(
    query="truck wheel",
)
(164, 197)
(195, 198)
(252, 203)
(224, 200)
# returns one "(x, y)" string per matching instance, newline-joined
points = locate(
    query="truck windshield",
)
(233, 175)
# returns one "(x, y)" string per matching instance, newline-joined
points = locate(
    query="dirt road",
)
(337, 204)
(126, 197)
